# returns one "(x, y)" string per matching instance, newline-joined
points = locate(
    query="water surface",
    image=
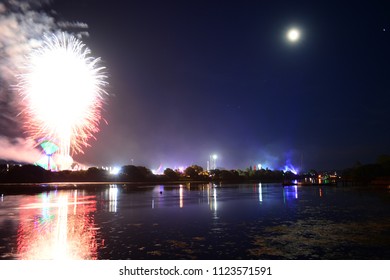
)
(196, 221)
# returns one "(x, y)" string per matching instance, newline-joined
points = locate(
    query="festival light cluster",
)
(62, 94)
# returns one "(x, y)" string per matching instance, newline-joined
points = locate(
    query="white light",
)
(260, 193)
(293, 35)
(115, 171)
(215, 199)
(215, 157)
(113, 198)
(181, 196)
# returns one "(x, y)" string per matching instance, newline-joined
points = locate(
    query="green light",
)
(44, 163)
(49, 147)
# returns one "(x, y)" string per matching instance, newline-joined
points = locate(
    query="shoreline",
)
(18, 188)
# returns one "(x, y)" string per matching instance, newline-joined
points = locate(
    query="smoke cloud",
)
(19, 150)
(23, 23)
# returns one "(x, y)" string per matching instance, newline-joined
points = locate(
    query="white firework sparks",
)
(62, 91)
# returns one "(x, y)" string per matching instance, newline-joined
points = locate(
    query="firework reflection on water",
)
(57, 226)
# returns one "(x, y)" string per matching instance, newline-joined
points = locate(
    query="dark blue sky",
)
(192, 78)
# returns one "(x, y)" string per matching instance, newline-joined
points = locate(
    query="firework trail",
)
(62, 93)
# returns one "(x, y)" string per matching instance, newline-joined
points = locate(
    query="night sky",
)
(188, 79)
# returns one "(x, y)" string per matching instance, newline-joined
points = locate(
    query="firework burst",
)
(62, 94)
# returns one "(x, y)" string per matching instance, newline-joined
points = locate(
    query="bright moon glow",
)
(293, 35)
(62, 91)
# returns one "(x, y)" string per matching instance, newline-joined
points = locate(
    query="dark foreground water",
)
(245, 221)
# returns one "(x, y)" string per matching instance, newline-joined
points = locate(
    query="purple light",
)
(291, 168)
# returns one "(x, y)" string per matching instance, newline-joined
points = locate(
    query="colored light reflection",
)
(113, 198)
(215, 204)
(290, 193)
(212, 196)
(57, 225)
(260, 193)
(181, 196)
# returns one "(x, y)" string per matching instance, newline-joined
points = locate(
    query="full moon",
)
(293, 35)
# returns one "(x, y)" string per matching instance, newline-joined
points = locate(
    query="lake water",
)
(196, 221)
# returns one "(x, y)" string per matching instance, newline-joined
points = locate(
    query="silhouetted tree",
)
(190, 172)
(229, 175)
(136, 173)
(27, 173)
(144, 173)
(214, 174)
(198, 169)
(193, 171)
(171, 174)
(94, 174)
(384, 162)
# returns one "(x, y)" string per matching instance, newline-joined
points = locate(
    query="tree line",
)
(131, 173)
(364, 173)
(378, 172)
